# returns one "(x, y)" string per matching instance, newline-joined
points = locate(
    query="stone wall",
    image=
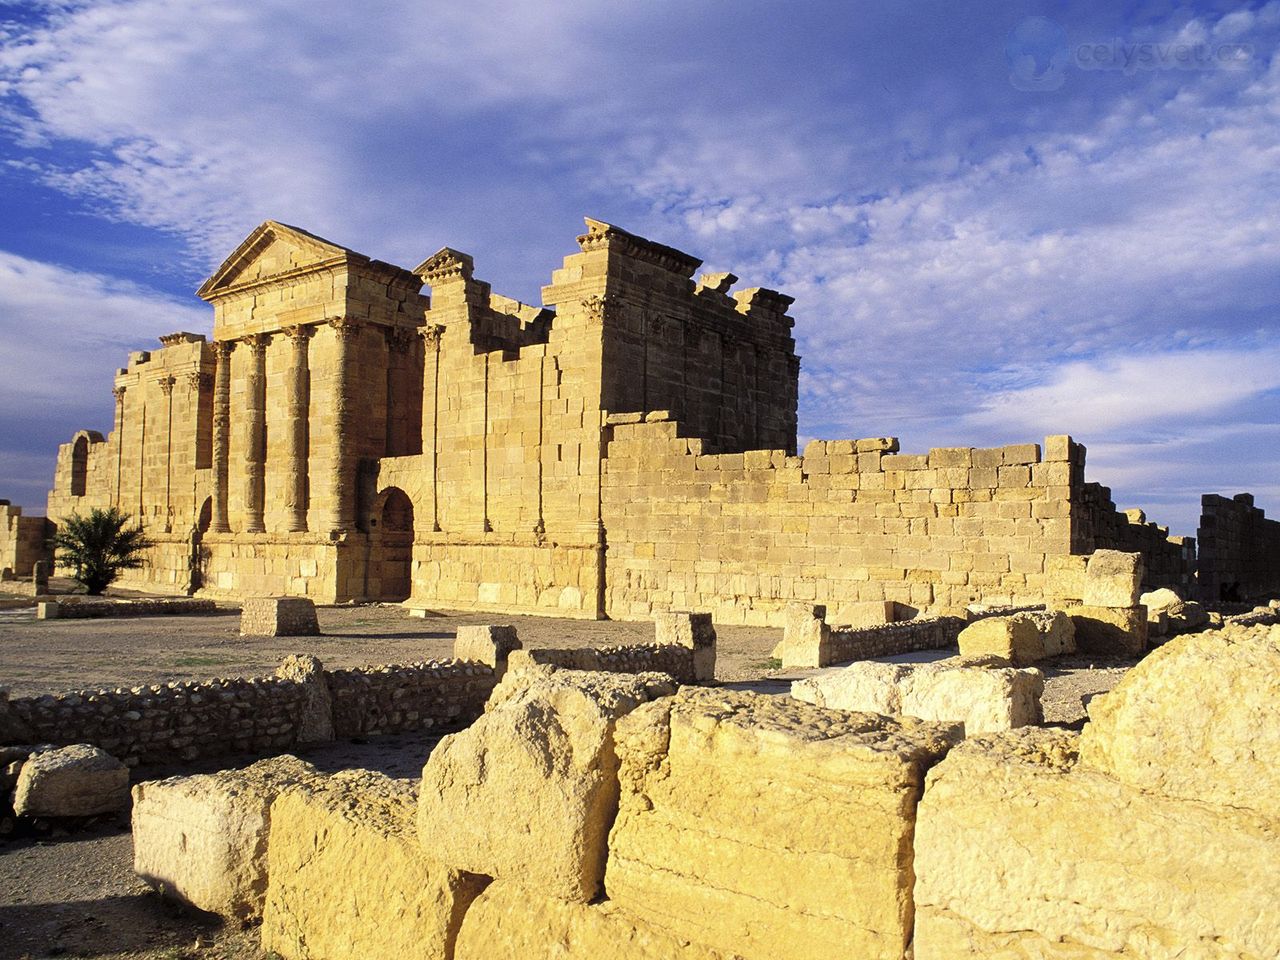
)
(1239, 550)
(437, 695)
(852, 521)
(183, 721)
(22, 540)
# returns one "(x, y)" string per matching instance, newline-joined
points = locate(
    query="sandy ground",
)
(73, 892)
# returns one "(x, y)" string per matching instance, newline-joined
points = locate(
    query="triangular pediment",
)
(273, 251)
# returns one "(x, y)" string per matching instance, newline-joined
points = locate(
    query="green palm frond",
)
(98, 547)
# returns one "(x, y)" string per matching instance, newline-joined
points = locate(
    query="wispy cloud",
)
(64, 333)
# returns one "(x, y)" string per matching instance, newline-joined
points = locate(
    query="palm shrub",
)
(98, 547)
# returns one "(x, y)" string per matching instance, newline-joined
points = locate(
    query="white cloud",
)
(65, 333)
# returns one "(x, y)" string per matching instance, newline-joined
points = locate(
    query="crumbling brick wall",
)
(1239, 550)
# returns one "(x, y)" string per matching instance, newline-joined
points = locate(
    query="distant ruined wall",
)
(1099, 525)
(22, 540)
(1239, 550)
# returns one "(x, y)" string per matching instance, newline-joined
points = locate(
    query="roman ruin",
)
(627, 447)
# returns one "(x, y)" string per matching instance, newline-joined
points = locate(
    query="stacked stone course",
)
(1239, 550)
(79, 609)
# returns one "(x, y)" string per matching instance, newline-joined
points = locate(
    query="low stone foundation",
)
(809, 641)
(184, 721)
(78, 609)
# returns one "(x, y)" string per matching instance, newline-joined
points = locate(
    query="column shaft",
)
(295, 465)
(342, 477)
(255, 433)
(221, 435)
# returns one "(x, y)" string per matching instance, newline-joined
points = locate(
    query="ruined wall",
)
(1098, 525)
(1239, 550)
(185, 720)
(723, 364)
(742, 535)
(22, 540)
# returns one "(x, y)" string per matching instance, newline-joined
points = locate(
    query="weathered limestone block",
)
(1022, 852)
(1057, 632)
(768, 827)
(692, 630)
(1113, 579)
(278, 617)
(487, 643)
(1015, 638)
(1179, 616)
(806, 637)
(983, 693)
(1113, 631)
(203, 839)
(316, 724)
(510, 922)
(348, 878)
(1198, 719)
(868, 686)
(984, 699)
(76, 781)
(530, 789)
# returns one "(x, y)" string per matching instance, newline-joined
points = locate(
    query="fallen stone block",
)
(984, 699)
(510, 922)
(278, 617)
(983, 693)
(1198, 719)
(1112, 579)
(1021, 852)
(692, 630)
(203, 839)
(348, 879)
(488, 643)
(1111, 631)
(529, 790)
(76, 781)
(1016, 639)
(1180, 616)
(1057, 632)
(767, 827)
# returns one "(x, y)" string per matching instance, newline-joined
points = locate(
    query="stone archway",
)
(391, 540)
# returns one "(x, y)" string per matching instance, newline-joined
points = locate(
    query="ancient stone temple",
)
(625, 447)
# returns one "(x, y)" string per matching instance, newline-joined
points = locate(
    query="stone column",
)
(221, 434)
(255, 433)
(430, 406)
(342, 476)
(295, 441)
(118, 392)
(166, 387)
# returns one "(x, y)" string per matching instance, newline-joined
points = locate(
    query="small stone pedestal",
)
(692, 630)
(278, 617)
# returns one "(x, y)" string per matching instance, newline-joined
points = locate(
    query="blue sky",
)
(994, 229)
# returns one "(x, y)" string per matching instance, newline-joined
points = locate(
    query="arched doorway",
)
(391, 560)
